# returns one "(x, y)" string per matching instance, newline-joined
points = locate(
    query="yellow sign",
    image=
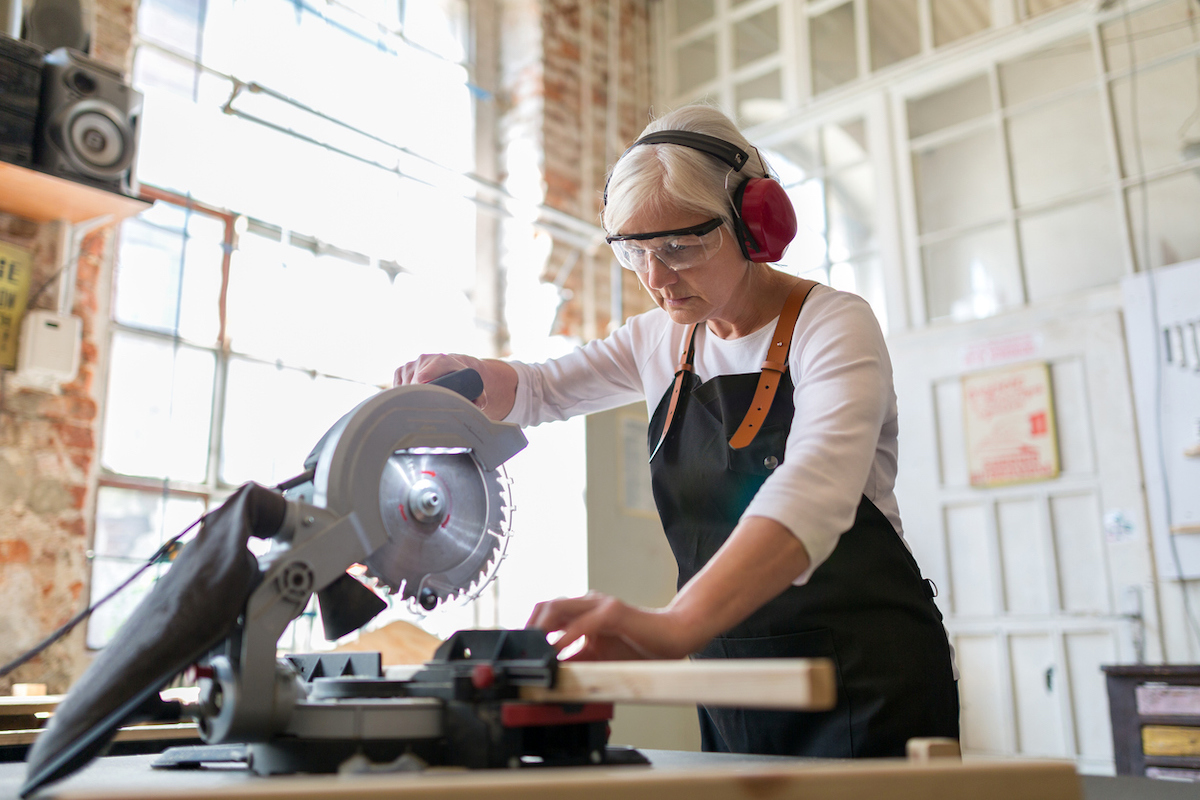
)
(1010, 430)
(16, 267)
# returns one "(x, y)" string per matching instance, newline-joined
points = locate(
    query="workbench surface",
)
(115, 776)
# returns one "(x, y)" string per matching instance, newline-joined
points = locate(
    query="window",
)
(828, 173)
(310, 233)
(1022, 189)
(728, 51)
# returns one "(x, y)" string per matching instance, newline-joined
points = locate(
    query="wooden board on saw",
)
(804, 684)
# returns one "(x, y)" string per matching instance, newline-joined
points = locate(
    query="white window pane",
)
(321, 312)
(958, 19)
(809, 250)
(894, 33)
(756, 37)
(159, 409)
(130, 527)
(168, 273)
(851, 201)
(156, 73)
(760, 99)
(971, 277)
(174, 24)
(1142, 36)
(431, 316)
(274, 417)
(1072, 248)
(963, 101)
(1171, 205)
(439, 27)
(844, 143)
(1059, 148)
(690, 13)
(695, 64)
(960, 182)
(1063, 65)
(864, 277)
(794, 159)
(1164, 125)
(833, 45)
(1036, 8)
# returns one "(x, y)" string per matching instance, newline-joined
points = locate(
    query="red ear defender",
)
(766, 219)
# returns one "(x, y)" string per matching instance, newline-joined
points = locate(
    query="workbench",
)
(671, 775)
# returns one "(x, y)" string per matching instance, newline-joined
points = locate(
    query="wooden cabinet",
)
(39, 197)
(1155, 713)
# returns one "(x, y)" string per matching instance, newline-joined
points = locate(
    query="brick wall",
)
(48, 439)
(585, 101)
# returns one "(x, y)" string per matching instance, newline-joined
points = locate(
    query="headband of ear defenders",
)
(726, 152)
(720, 149)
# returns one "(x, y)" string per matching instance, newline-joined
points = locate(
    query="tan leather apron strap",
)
(685, 365)
(773, 368)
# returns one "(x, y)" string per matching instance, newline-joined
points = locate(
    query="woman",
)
(773, 454)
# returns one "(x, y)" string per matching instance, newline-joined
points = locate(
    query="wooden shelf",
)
(39, 197)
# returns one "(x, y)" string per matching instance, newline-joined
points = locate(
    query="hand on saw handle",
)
(499, 379)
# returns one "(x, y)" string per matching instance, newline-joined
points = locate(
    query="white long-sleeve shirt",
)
(842, 444)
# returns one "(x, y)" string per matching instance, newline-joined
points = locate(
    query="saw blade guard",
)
(424, 465)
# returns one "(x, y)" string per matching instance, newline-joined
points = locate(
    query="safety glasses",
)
(677, 250)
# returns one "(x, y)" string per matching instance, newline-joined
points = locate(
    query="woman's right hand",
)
(499, 379)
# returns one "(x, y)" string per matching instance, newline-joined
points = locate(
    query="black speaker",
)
(87, 122)
(51, 24)
(20, 96)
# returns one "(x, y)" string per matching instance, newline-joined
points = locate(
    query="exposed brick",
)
(75, 435)
(14, 551)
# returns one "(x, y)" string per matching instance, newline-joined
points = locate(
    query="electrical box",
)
(1162, 334)
(49, 347)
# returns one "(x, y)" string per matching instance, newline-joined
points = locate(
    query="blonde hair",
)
(664, 177)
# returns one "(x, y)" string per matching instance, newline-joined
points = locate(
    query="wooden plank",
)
(39, 197)
(1170, 740)
(941, 779)
(133, 733)
(23, 706)
(925, 748)
(803, 684)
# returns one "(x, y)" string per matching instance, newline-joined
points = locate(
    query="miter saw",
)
(410, 485)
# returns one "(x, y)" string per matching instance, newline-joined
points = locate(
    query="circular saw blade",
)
(445, 521)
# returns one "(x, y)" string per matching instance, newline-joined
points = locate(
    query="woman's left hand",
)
(613, 630)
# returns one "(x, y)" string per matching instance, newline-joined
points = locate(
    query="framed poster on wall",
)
(1010, 431)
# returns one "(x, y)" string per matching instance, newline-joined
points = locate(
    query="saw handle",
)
(466, 382)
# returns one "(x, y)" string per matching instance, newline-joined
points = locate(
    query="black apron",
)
(866, 607)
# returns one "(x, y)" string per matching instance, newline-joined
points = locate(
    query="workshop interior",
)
(232, 552)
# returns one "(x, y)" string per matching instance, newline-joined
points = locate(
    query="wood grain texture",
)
(801, 684)
(133, 733)
(1170, 740)
(877, 780)
(39, 197)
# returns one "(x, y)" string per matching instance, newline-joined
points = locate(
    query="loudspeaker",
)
(763, 215)
(87, 123)
(51, 24)
(20, 96)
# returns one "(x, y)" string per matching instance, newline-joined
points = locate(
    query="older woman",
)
(772, 450)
